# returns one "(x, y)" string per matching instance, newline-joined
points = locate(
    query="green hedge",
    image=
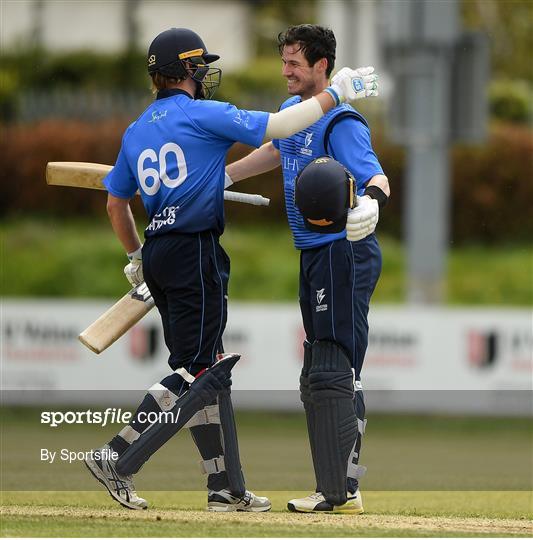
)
(511, 100)
(491, 184)
(83, 258)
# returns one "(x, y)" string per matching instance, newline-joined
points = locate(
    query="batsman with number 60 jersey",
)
(333, 186)
(174, 155)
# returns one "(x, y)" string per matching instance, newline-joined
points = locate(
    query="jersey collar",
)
(168, 92)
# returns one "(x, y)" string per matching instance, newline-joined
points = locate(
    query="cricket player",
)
(174, 155)
(339, 268)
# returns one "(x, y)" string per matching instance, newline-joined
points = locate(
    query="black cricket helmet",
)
(181, 53)
(324, 191)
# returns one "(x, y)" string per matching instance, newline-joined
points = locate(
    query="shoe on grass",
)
(224, 501)
(121, 488)
(316, 503)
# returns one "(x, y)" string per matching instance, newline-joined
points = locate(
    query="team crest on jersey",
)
(320, 295)
(308, 140)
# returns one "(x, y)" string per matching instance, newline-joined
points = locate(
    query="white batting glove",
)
(351, 84)
(362, 219)
(134, 270)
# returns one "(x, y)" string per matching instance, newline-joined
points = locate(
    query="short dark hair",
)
(162, 82)
(316, 42)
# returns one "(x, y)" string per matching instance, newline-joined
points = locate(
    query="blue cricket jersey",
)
(174, 154)
(348, 142)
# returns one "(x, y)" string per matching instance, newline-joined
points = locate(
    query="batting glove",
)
(134, 270)
(351, 84)
(362, 219)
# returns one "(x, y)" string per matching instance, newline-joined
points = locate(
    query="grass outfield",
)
(42, 258)
(414, 463)
(180, 514)
(402, 453)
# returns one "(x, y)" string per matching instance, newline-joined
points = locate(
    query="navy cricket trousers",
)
(187, 275)
(336, 283)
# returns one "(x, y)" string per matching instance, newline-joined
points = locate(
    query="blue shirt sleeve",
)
(228, 122)
(120, 181)
(350, 144)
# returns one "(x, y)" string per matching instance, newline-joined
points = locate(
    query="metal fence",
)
(89, 105)
(96, 105)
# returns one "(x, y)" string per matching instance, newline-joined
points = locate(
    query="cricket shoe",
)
(317, 503)
(120, 487)
(224, 501)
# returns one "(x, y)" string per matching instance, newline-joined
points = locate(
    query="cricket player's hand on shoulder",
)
(351, 84)
(362, 219)
(134, 270)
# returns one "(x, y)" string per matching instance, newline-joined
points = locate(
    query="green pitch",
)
(427, 476)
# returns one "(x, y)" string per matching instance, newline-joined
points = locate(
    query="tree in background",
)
(508, 24)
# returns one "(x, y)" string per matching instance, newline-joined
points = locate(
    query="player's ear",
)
(322, 65)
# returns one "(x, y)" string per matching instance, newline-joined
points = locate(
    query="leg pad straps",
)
(202, 392)
(213, 466)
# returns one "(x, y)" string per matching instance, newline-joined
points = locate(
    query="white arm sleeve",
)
(289, 121)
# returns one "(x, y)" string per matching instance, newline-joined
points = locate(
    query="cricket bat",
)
(132, 307)
(90, 175)
(118, 319)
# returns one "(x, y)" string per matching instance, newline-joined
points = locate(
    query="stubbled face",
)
(302, 79)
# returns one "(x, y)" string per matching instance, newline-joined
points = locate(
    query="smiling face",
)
(302, 79)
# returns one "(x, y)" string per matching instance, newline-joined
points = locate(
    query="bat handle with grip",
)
(248, 198)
